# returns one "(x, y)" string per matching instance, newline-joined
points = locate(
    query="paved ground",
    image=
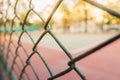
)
(102, 65)
(72, 42)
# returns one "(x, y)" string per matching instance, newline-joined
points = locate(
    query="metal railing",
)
(6, 43)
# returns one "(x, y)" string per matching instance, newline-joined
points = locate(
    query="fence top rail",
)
(105, 8)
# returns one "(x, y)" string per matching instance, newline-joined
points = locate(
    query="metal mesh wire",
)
(10, 52)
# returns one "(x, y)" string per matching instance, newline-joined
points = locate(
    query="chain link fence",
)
(16, 65)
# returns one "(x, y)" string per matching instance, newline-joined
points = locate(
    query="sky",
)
(41, 4)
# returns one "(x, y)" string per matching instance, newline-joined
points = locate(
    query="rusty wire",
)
(6, 42)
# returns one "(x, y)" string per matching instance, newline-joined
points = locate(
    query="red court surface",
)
(101, 65)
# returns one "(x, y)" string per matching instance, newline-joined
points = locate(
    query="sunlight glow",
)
(106, 1)
(41, 4)
(98, 14)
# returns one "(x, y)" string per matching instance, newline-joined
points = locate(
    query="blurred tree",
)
(38, 23)
(84, 4)
(81, 11)
(66, 18)
(115, 6)
(22, 16)
(1, 4)
(78, 13)
(109, 19)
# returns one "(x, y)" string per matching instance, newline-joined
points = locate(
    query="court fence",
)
(10, 51)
